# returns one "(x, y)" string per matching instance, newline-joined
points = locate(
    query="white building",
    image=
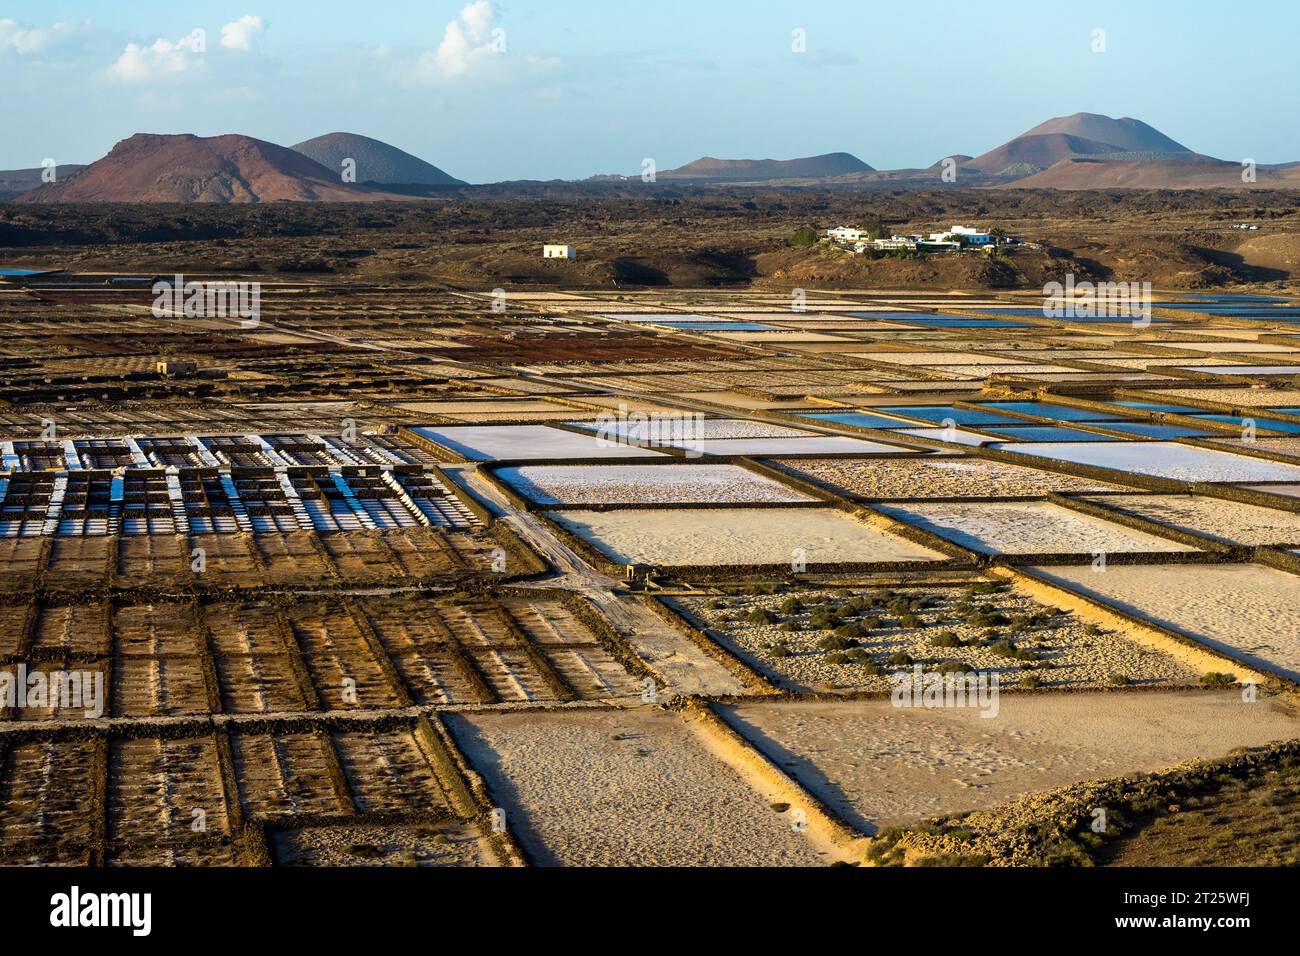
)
(559, 252)
(971, 237)
(844, 234)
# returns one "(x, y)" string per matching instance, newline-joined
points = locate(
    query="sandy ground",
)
(1026, 527)
(939, 478)
(1162, 460)
(1229, 521)
(1073, 657)
(878, 765)
(624, 788)
(1248, 609)
(520, 442)
(643, 484)
(703, 536)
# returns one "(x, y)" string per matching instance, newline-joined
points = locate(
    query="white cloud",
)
(163, 60)
(240, 34)
(465, 41)
(25, 42)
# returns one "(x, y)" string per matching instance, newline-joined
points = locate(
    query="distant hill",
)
(1125, 134)
(709, 169)
(148, 167)
(1082, 135)
(1103, 173)
(377, 162)
(15, 182)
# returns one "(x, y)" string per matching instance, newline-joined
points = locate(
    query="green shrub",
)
(834, 642)
(900, 659)
(909, 620)
(1119, 680)
(945, 639)
(791, 605)
(760, 616)
(805, 237)
(1216, 679)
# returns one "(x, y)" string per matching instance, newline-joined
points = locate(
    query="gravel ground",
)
(1073, 657)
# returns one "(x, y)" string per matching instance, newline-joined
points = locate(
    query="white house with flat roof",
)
(559, 252)
(844, 234)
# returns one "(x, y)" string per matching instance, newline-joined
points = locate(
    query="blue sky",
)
(510, 89)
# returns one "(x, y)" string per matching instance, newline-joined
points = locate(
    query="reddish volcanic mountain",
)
(757, 170)
(1081, 135)
(217, 169)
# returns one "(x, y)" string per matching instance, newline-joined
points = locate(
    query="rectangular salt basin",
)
(1062, 413)
(1243, 369)
(1153, 407)
(1262, 424)
(953, 436)
(1247, 609)
(1042, 433)
(1026, 527)
(1232, 522)
(1153, 430)
(703, 536)
(877, 765)
(668, 427)
(939, 478)
(858, 419)
(642, 484)
(523, 442)
(940, 414)
(777, 447)
(625, 788)
(1161, 460)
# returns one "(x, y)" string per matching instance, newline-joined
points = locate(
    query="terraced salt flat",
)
(672, 428)
(702, 536)
(878, 765)
(1248, 609)
(1026, 527)
(641, 484)
(939, 478)
(523, 442)
(1232, 522)
(1161, 460)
